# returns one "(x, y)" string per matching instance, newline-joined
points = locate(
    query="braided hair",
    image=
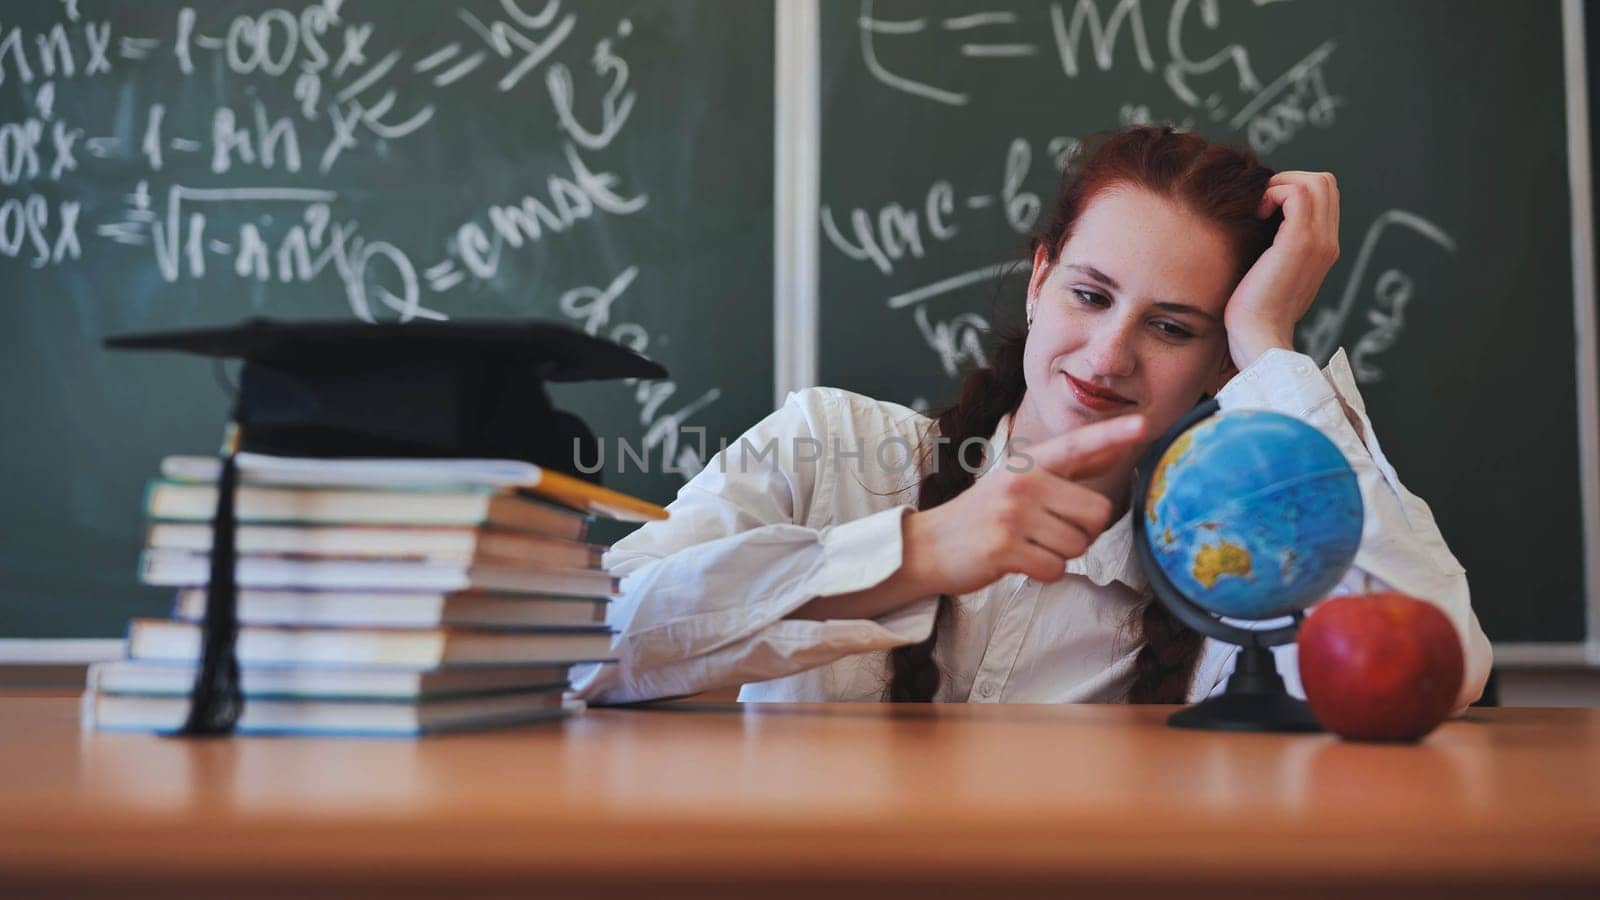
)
(987, 395)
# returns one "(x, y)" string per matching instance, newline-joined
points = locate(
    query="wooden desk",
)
(808, 800)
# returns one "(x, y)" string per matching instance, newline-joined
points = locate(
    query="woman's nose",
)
(1111, 352)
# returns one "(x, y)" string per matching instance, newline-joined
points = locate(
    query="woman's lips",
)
(1096, 398)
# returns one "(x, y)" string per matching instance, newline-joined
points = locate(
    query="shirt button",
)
(986, 689)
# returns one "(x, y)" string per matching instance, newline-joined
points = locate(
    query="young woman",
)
(851, 549)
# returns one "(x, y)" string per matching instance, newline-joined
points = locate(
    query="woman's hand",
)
(1029, 515)
(1279, 288)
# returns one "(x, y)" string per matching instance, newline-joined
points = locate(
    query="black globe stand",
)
(1255, 698)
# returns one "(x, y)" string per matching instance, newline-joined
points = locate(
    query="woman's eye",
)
(1090, 298)
(1174, 330)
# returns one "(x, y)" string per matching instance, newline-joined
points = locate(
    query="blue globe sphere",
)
(1253, 514)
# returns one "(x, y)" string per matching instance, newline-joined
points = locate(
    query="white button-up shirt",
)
(809, 502)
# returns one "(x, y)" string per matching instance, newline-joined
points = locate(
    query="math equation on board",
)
(245, 146)
(1098, 64)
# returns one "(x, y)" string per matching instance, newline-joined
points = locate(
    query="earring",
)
(1030, 315)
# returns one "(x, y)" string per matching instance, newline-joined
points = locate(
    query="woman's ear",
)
(1041, 270)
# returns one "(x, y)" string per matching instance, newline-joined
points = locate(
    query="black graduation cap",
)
(420, 389)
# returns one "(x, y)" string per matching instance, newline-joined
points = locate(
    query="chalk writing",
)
(1297, 98)
(1392, 291)
(590, 309)
(957, 341)
(1094, 36)
(1202, 73)
(230, 177)
(1102, 34)
(894, 232)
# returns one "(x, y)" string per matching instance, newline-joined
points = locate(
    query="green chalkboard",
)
(943, 125)
(163, 165)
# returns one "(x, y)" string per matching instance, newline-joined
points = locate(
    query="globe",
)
(1252, 514)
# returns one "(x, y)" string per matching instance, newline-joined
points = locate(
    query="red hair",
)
(1219, 183)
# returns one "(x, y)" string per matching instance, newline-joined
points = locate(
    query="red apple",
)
(1379, 667)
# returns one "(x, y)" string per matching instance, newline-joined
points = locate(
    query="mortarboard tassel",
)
(215, 701)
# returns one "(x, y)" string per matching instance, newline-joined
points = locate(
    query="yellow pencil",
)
(594, 498)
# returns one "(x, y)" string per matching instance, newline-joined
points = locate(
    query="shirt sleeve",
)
(705, 592)
(1401, 548)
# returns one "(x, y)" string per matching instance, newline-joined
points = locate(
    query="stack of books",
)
(374, 596)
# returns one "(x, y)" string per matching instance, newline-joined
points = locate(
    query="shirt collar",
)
(1110, 557)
